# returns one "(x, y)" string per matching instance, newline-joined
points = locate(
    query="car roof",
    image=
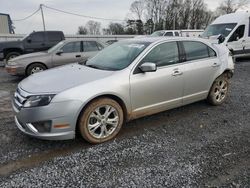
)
(159, 39)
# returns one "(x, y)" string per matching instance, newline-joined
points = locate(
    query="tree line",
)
(152, 15)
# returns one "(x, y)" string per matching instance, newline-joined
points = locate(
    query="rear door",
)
(157, 91)
(201, 68)
(71, 53)
(52, 38)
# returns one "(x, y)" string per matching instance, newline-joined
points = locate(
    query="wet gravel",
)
(193, 146)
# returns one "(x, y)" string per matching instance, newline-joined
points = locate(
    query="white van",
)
(235, 28)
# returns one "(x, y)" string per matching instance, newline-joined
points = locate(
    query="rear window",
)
(195, 50)
(54, 36)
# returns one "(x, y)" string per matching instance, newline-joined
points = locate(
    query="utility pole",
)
(41, 7)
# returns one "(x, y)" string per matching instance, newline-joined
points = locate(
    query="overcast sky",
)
(114, 9)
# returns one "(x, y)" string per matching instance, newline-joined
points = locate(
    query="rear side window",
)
(195, 50)
(90, 46)
(37, 37)
(72, 47)
(169, 34)
(163, 54)
(177, 34)
(54, 36)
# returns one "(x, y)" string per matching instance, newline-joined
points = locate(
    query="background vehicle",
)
(127, 80)
(167, 33)
(235, 28)
(34, 42)
(65, 52)
(177, 33)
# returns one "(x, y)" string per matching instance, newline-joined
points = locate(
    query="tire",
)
(35, 68)
(12, 55)
(219, 90)
(90, 117)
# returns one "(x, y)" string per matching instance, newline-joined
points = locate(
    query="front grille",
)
(19, 98)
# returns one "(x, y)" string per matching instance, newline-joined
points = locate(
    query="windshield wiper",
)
(93, 66)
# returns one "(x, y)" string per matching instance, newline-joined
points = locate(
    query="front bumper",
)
(15, 70)
(62, 118)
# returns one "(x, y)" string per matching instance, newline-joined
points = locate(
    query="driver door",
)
(71, 52)
(237, 41)
(153, 92)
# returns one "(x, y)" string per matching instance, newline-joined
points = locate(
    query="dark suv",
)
(34, 42)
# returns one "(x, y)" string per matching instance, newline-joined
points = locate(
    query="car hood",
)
(31, 55)
(62, 78)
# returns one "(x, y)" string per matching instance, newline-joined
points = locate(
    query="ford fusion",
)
(125, 81)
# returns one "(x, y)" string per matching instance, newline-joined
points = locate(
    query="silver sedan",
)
(65, 52)
(127, 80)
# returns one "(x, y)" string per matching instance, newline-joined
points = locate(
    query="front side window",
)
(238, 34)
(163, 54)
(195, 50)
(72, 47)
(90, 46)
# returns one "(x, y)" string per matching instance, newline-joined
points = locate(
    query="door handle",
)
(78, 55)
(215, 65)
(177, 73)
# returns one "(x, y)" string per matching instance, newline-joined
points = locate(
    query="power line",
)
(80, 15)
(27, 17)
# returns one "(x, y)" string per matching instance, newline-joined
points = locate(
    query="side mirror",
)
(59, 52)
(148, 67)
(221, 39)
(29, 40)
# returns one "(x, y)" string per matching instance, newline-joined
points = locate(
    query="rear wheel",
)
(12, 55)
(35, 68)
(101, 120)
(219, 90)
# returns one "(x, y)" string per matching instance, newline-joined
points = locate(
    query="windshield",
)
(54, 48)
(217, 29)
(27, 35)
(158, 33)
(117, 56)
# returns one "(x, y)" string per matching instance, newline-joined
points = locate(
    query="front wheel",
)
(101, 120)
(35, 68)
(219, 91)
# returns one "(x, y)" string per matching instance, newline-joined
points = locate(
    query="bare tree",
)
(82, 30)
(137, 8)
(230, 6)
(93, 27)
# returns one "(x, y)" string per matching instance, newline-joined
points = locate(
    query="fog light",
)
(43, 127)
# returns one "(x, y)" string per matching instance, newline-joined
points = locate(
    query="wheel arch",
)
(26, 69)
(111, 96)
(8, 50)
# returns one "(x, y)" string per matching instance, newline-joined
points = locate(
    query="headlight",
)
(12, 63)
(39, 100)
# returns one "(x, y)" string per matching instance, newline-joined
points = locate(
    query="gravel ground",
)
(193, 146)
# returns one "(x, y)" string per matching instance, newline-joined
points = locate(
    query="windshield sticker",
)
(136, 46)
(228, 29)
